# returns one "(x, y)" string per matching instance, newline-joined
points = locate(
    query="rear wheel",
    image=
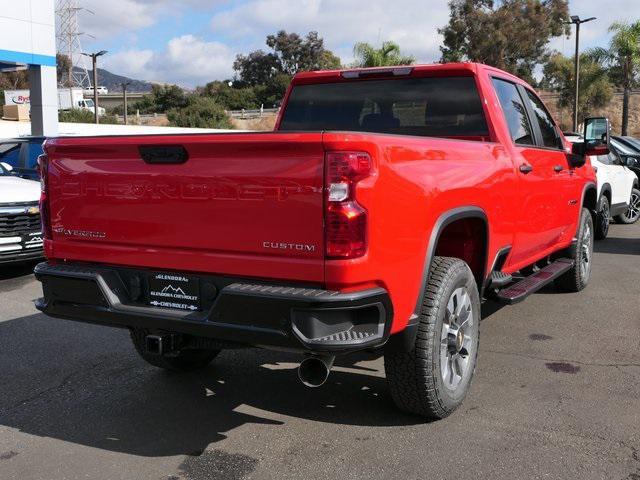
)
(185, 360)
(432, 378)
(581, 252)
(601, 224)
(633, 212)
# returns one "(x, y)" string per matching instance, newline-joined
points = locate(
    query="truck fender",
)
(606, 188)
(404, 340)
(589, 197)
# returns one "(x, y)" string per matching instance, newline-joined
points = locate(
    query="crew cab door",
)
(541, 221)
(567, 191)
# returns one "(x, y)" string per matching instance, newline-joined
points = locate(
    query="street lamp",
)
(575, 20)
(94, 60)
(124, 98)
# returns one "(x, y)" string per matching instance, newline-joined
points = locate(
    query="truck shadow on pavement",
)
(15, 275)
(618, 245)
(84, 384)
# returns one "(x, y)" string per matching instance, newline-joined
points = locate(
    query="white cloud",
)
(411, 23)
(238, 26)
(186, 60)
(103, 19)
(106, 18)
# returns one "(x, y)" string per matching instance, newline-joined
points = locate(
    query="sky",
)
(191, 42)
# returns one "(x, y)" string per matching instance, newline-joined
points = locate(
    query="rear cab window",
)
(448, 107)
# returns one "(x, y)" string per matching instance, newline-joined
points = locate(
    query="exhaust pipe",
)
(314, 371)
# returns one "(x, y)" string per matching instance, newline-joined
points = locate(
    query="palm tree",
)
(389, 54)
(623, 56)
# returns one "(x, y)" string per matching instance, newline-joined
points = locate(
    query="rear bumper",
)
(259, 314)
(21, 256)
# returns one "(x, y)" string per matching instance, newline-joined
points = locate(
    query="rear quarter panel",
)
(417, 180)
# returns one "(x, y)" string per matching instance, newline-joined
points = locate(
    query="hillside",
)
(114, 82)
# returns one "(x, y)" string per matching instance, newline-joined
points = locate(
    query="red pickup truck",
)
(385, 207)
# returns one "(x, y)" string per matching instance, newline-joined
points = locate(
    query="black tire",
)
(416, 377)
(633, 212)
(581, 252)
(601, 221)
(186, 360)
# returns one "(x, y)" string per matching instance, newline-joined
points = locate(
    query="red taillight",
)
(345, 219)
(45, 219)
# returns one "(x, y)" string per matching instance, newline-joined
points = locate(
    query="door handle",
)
(557, 168)
(526, 168)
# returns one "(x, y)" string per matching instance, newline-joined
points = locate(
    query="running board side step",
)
(519, 291)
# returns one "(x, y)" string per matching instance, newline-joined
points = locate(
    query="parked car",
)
(22, 155)
(616, 185)
(629, 142)
(630, 157)
(385, 207)
(20, 232)
(101, 90)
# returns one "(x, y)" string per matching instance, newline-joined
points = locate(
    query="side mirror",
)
(7, 167)
(631, 161)
(596, 136)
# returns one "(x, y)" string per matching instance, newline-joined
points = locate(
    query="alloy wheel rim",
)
(585, 257)
(604, 218)
(457, 339)
(633, 211)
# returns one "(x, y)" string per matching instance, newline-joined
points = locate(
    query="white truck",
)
(68, 98)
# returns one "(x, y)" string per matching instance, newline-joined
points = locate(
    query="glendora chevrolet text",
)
(386, 206)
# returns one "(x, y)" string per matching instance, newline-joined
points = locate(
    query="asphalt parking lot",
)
(556, 395)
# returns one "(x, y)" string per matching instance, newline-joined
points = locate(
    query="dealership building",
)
(27, 41)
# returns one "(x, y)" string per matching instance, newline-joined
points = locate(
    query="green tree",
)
(290, 53)
(63, 65)
(623, 59)
(256, 68)
(229, 97)
(388, 54)
(596, 89)
(270, 72)
(162, 99)
(295, 53)
(510, 34)
(200, 112)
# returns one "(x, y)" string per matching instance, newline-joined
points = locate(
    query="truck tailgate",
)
(242, 204)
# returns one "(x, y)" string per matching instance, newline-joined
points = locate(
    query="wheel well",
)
(590, 199)
(466, 239)
(606, 192)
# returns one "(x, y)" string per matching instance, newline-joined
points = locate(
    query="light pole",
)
(94, 61)
(124, 98)
(575, 20)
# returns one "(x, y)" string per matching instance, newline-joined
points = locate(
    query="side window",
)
(33, 152)
(514, 112)
(547, 127)
(10, 153)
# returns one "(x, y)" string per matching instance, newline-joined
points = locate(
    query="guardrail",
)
(246, 114)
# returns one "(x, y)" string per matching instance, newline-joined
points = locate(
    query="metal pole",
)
(577, 78)
(94, 57)
(124, 96)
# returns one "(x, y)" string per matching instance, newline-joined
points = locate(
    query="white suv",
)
(20, 233)
(615, 185)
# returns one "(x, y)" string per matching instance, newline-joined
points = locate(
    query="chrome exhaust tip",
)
(314, 371)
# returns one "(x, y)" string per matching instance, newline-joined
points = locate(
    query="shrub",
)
(76, 115)
(200, 112)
